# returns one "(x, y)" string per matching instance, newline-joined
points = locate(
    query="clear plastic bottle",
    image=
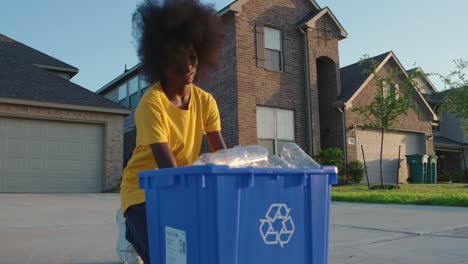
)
(235, 157)
(295, 156)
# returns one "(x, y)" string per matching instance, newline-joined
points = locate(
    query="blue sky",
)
(95, 36)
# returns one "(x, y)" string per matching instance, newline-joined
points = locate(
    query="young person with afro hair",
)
(179, 42)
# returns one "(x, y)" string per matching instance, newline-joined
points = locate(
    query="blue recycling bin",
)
(220, 215)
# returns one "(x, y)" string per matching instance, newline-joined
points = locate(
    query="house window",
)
(134, 97)
(143, 83)
(273, 49)
(275, 128)
(123, 95)
(389, 88)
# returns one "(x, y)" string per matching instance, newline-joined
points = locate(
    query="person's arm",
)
(216, 141)
(163, 155)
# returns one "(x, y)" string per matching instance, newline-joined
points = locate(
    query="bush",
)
(452, 176)
(332, 157)
(356, 171)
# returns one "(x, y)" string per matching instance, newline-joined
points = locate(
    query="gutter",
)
(310, 131)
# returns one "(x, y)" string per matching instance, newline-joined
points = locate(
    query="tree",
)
(456, 92)
(392, 100)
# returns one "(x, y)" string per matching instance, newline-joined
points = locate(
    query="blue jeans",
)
(136, 230)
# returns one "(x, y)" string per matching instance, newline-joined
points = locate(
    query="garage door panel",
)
(16, 147)
(50, 156)
(411, 143)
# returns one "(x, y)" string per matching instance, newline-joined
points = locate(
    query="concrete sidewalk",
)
(81, 229)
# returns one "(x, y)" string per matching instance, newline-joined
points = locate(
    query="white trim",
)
(65, 106)
(418, 69)
(62, 69)
(312, 22)
(381, 65)
(118, 78)
(368, 80)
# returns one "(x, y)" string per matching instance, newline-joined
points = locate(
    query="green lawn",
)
(420, 194)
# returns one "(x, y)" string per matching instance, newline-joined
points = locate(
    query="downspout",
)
(342, 109)
(310, 131)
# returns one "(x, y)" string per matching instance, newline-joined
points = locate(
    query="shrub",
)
(452, 176)
(332, 157)
(356, 171)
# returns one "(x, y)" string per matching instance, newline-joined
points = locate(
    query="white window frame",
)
(275, 137)
(280, 44)
(123, 88)
(388, 86)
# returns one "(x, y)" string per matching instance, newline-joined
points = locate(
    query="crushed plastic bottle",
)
(277, 162)
(295, 156)
(235, 157)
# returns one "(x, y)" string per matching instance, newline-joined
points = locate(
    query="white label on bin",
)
(176, 246)
(278, 226)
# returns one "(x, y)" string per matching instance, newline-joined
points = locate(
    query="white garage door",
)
(50, 157)
(411, 143)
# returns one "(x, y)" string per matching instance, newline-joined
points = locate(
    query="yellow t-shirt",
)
(157, 120)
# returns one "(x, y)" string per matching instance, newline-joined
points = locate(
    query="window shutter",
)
(287, 56)
(260, 45)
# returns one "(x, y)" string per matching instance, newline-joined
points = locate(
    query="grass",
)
(419, 194)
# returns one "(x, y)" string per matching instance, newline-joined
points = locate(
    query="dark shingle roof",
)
(26, 54)
(352, 76)
(21, 79)
(447, 141)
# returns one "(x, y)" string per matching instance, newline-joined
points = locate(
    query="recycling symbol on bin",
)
(278, 226)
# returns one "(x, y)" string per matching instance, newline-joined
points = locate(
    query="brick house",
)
(413, 131)
(279, 78)
(55, 136)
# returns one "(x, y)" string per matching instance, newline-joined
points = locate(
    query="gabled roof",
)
(236, 6)
(423, 75)
(353, 81)
(19, 51)
(353, 77)
(312, 21)
(22, 82)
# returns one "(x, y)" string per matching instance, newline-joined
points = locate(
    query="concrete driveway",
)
(40, 229)
(81, 229)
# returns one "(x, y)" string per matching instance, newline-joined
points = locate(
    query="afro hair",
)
(175, 26)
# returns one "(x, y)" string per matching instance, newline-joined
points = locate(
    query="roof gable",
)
(424, 78)
(352, 88)
(326, 12)
(353, 76)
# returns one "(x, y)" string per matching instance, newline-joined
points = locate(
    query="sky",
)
(96, 35)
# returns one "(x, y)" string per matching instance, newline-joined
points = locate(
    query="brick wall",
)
(223, 84)
(259, 86)
(324, 52)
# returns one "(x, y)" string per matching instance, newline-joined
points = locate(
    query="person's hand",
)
(216, 141)
(163, 155)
